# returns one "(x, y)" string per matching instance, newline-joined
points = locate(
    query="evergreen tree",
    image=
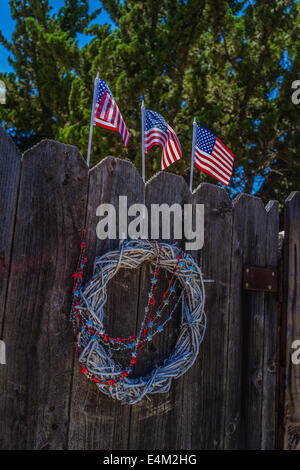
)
(45, 58)
(74, 16)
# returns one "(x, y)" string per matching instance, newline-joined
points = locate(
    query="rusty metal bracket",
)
(260, 279)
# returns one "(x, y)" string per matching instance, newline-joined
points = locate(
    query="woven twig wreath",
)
(87, 314)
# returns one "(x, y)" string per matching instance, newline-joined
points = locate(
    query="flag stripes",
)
(158, 132)
(212, 156)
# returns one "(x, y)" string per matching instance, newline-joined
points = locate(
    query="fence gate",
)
(242, 392)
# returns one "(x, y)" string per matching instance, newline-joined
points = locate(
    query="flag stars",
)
(205, 140)
(102, 88)
(153, 119)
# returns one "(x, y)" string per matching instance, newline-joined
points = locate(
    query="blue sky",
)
(7, 26)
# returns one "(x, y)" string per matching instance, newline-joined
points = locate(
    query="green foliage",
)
(228, 63)
(74, 16)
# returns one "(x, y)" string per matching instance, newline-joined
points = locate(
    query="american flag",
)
(158, 132)
(107, 113)
(212, 156)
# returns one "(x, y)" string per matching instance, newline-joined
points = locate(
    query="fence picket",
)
(161, 422)
(271, 307)
(208, 376)
(96, 421)
(291, 319)
(35, 391)
(246, 329)
(10, 165)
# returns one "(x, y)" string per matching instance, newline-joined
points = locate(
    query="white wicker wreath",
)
(96, 359)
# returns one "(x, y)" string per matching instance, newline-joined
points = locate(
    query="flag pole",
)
(143, 141)
(92, 119)
(193, 154)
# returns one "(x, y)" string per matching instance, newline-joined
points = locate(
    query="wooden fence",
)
(242, 392)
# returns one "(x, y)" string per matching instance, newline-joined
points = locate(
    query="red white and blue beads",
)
(135, 342)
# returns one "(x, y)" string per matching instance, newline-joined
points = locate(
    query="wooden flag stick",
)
(143, 141)
(92, 119)
(193, 154)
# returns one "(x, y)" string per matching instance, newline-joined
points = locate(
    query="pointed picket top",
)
(294, 197)
(118, 168)
(292, 211)
(167, 176)
(205, 185)
(272, 206)
(8, 148)
(244, 196)
(48, 148)
(248, 200)
(209, 190)
(168, 185)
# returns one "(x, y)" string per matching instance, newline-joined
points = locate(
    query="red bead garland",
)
(77, 276)
(140, 339)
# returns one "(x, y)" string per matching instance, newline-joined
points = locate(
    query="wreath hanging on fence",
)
(95, 347)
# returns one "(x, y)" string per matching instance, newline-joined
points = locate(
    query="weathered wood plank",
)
(270, 372)
(246, 328)
(291, 315)
(205, 384)
(97, 421)
(35, 391)
(10, 165)
(161, 423)
(281, 340)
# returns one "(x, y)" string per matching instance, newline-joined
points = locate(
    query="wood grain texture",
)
(205, 384)
(271, 307)
(246, 328)
(10, 165)
(35, 390)
(291, 379)
(281, 340)
(97, 421)
(161, 422)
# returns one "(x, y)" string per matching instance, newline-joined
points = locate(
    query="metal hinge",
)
(260, 279)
